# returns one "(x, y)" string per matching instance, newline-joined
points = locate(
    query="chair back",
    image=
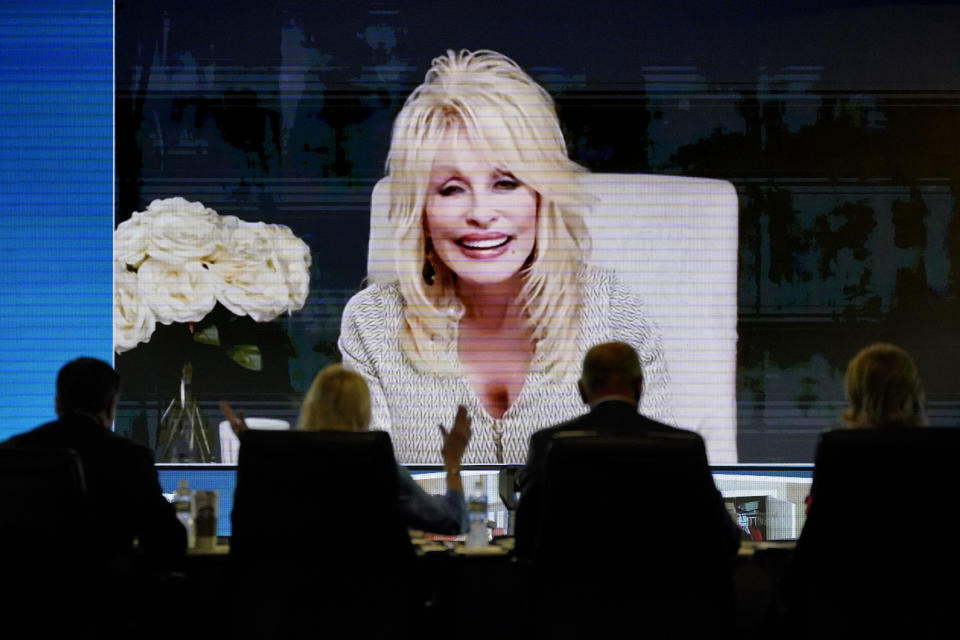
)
(45, 535)
(878, 545)
(629, 525)
(317, 537)
(44, 498)
(673, 242)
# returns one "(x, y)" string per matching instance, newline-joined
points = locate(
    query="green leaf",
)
(247, 356)
(210, 336)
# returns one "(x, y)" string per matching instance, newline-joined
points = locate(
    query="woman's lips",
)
(484, 246)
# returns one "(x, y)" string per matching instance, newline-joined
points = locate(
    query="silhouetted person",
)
(339, 400)
(614, 493)
(125, 501)
(884, 390)
(854, 573)
(611, 383)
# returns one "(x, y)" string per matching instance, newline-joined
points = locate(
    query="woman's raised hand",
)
(456, 439)
(237, 422)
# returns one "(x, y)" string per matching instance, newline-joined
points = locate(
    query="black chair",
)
(43, 493)
(633, 536)
(508, 490)
(44, 535)
(878, 555)
(318, 545)
(61, 575)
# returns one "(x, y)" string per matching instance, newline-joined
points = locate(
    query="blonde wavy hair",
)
(338, 399)
(883, 389)
(513, 121)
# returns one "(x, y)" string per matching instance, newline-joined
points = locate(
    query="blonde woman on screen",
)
(494, 302)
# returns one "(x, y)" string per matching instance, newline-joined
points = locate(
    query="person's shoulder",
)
(63, 431)
(658, 425)
(378, 299)
(381, 291)
(114, 446)
(543, 434)
(669, 431)
(580, 423)
(33, 437)
(82, 433)
(372, 316)
(126, 444)
(594, 277)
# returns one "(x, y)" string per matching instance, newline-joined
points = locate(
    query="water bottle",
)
(183, 506)
(477, 507)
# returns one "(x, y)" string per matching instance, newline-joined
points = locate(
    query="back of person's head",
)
(338, 399)
(883, 389)
(88, 385)
(611, 368)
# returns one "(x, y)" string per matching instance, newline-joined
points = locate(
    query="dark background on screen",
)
(838, 123)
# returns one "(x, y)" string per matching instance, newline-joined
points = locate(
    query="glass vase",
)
(184, 436)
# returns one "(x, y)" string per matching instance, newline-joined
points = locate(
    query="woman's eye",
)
(507, 184)
(450, 189)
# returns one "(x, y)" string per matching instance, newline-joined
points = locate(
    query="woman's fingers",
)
(455, 439)
(228, 411)
(237, 423)
(461, 423)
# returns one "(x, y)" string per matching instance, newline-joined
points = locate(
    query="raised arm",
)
(454, 444)
(447, 513)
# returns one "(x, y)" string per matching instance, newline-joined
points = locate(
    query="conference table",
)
(461, 578)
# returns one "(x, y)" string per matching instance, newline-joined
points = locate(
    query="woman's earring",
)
(429, 271)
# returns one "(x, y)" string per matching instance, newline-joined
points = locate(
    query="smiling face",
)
(481, 219)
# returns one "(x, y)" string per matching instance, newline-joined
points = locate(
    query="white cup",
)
(230, 445)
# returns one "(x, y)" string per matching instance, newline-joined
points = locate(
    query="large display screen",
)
(769, 191)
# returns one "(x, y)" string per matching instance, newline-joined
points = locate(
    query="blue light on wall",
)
(56, 198)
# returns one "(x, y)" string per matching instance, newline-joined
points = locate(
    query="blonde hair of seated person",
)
(338, 399)
(883, 389)
(513, 121)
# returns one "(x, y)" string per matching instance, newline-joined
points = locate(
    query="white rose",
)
(264, 271)
(133, 321)
(180, 230)
(177, 291)
(131, 241)
(249, 286)
(295, 259)
(186, 257)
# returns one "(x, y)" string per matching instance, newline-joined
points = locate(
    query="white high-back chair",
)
(673, 241)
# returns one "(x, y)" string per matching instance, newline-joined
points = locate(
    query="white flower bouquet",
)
(176, 260)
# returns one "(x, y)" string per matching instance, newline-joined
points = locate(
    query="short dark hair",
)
(87, 384)
(611, 364)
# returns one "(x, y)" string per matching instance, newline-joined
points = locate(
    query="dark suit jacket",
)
(610, 418)
(123, 489)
